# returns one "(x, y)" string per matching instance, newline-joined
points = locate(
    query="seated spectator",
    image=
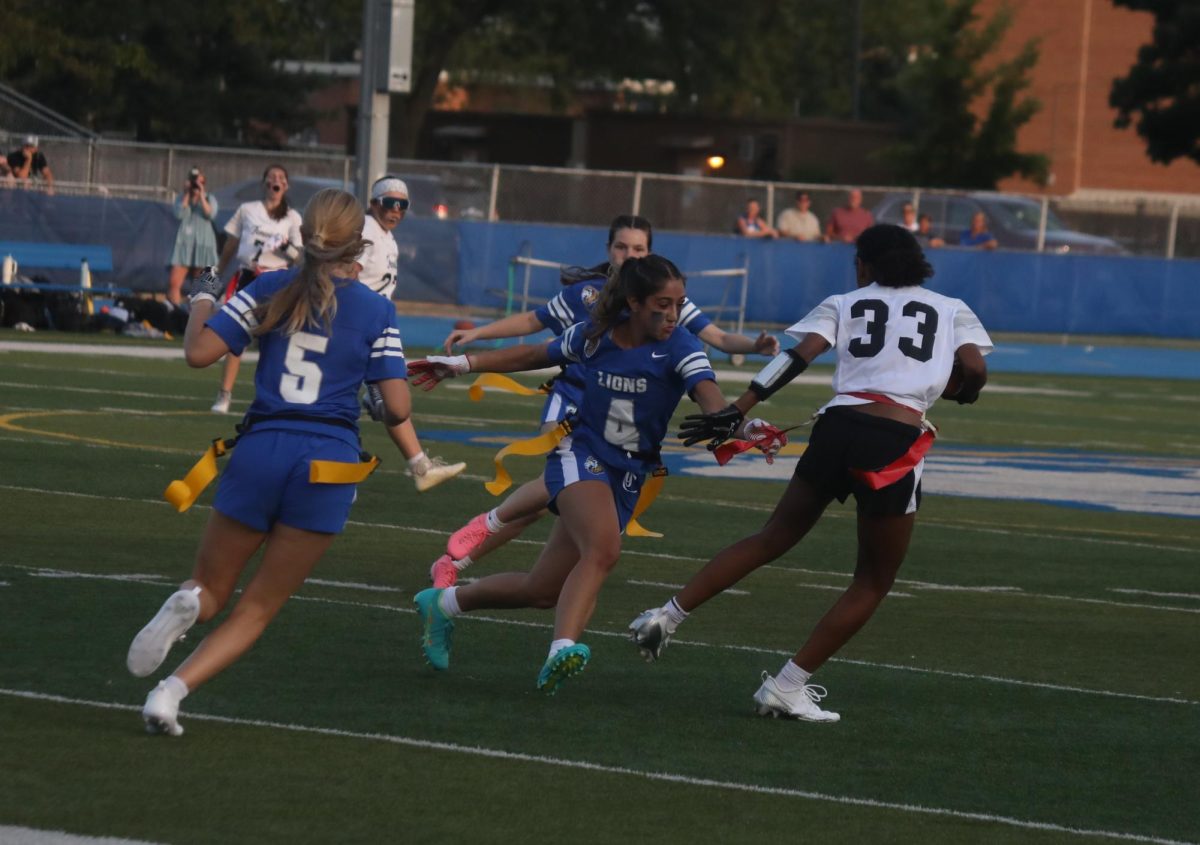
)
(978, 235)
(799, 222)
(27, 162)
(908, 217)
(846, 224)
(924, 232)
(752, 224)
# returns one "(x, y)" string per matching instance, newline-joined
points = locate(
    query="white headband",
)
(388, 185)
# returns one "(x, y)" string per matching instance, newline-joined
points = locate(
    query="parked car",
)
(1012, 220)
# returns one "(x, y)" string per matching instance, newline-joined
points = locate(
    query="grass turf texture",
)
(932, 715)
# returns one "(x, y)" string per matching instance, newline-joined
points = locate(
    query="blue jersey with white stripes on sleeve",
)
(630, 394)
(316, 372)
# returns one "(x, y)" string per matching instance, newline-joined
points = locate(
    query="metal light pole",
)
(386, 70)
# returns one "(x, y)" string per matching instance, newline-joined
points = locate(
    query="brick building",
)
(1085, 44)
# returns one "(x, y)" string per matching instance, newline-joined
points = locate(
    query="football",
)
(954, 385)
(463, 325)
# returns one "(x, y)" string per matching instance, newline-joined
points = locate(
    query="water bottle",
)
(8, 271)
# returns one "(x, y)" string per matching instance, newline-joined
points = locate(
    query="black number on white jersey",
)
(871, 344)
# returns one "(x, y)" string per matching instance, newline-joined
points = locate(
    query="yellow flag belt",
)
(182, 494)
(539, 445)
(496, 381)
(650, 491)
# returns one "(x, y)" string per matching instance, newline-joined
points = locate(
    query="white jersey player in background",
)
(389, 202)
(898, 348)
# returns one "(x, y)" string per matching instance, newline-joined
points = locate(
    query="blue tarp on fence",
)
(1011, 291)
(468, 263)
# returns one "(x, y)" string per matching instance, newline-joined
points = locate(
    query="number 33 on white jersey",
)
(896, 341)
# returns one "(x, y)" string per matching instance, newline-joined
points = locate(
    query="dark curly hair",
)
(894, 256)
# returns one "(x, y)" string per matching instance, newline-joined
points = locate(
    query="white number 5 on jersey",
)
(301, 384)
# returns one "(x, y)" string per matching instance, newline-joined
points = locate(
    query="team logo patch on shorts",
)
(629, 483)
(593, 466)
(589, 295)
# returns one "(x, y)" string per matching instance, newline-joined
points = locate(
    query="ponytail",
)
(332, 232)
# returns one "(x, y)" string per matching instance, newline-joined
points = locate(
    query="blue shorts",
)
(266, 482)
(564, 401)
(571, 461)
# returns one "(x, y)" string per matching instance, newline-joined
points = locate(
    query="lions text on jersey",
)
(899, 342)
(314, 372)
(629, 395)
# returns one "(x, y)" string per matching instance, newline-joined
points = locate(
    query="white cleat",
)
(801, 704)
(651, 632)
(149, 648)
(221, 406)
(161, 712)
(433, 471)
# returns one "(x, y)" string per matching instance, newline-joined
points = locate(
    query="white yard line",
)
(1195, 596)
(624, 635)
(641, 774)
(32, 836)
(666, 586)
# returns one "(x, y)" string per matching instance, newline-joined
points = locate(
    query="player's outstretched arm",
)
(428, 372)
(736, 344)
(514, 325)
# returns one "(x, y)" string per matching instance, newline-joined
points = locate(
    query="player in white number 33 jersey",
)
(899, 347)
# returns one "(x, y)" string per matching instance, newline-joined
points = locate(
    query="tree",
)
(947, 144)
(1163, 86)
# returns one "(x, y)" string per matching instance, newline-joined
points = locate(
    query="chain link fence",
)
(1090, 224)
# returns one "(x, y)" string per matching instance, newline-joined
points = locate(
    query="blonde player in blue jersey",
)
(636, 366)
(321, 335)
(899, 347)
(629, 236)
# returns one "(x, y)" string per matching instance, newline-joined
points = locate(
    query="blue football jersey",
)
(315, 372)
(629, 395)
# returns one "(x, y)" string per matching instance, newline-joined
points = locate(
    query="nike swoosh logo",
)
(658, 354)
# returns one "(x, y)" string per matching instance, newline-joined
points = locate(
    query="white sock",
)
(494, 522)
(416, 461)
(176, 687)
(448, 602)
(559, 645)
(791, 677)
(674, 612)
(462, 563)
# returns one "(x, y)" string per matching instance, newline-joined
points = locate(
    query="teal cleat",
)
(567, 662)
(436, 628)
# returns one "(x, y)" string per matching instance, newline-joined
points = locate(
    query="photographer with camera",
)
(195, 242)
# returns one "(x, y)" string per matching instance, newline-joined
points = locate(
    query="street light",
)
(715, 162)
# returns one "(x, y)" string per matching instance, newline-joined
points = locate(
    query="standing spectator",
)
(752, 224)
(799, 222)
(846, 224)
(195, 242)
(27, 162)
(924, 232)
(978, 235)
(908, 217)
(263, 235)
(389, 202)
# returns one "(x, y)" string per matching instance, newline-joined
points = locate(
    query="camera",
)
(194, 177)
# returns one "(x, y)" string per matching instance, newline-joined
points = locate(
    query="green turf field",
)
(1033, 677)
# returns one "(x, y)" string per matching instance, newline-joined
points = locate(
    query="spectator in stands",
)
(847, 223)
(27, 162)
(908, 217)
(752, 224)
(263, 235)
(799, 222)
(977, 235)
(195, 242)
(924, 232)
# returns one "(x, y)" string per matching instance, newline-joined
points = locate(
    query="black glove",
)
(718, 426)
(372, 402)
(207, 285)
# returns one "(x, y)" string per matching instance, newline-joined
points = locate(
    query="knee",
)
(541, 596)
(603, 556)
(876, 583)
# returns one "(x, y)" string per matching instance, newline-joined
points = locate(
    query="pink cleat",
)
(466, 539)
(443, 573)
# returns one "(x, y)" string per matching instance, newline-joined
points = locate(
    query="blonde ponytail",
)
(332, 232)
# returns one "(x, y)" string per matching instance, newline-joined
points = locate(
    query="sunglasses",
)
(394, 203)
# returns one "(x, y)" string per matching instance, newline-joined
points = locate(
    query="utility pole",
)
(386, 70)
(856, 47)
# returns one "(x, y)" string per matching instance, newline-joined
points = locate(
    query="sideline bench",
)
(49, 256)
